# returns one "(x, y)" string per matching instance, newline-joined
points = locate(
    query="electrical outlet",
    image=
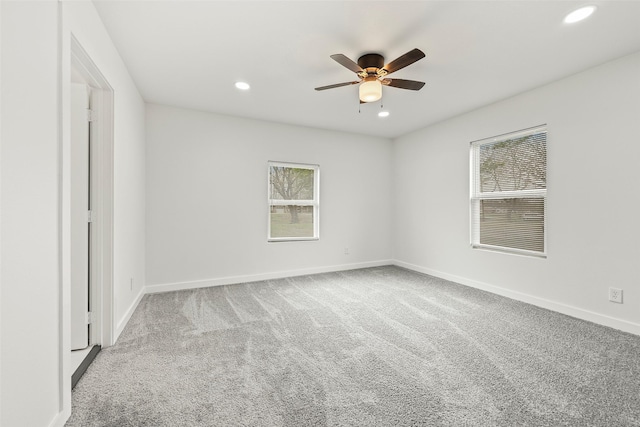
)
(346, 250)
(615, 295)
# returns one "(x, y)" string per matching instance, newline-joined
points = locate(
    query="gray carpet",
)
(373, 347)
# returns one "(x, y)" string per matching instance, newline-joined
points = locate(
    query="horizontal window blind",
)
(508, 192)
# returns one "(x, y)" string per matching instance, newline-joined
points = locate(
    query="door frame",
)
(102, 177)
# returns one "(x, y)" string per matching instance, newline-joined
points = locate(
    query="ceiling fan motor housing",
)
(371, 60)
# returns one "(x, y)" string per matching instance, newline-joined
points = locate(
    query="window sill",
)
(509, 251)
(292, 239)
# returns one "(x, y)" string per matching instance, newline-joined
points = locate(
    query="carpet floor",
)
(373, 347)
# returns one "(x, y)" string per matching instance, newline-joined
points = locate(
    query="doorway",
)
(89, 216)
(80, 211)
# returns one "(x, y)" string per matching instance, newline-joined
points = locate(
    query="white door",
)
(79, 216)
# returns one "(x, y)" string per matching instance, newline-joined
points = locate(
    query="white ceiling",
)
(190, 53)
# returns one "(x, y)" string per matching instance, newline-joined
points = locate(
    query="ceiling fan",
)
(372, 73)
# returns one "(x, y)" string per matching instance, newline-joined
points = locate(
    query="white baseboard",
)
(178, 286)
(125, 319)
(569, 310)
(60, 419)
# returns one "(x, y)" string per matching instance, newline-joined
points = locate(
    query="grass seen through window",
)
(281, 225)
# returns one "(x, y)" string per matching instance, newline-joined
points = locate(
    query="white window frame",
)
(476, 195)
(315, 202)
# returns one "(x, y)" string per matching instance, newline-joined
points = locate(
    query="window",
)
(508, 192)
(293, 201)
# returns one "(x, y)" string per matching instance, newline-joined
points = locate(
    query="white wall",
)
(593, 158)
(206, 199)
(30, 369)
(34, 36)
(81, 19)
(0, 214)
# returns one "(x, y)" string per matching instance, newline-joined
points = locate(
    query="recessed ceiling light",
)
(243, 85)
(579, 14)
(383, 114)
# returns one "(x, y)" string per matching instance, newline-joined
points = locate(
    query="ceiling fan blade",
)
(346, 62)
(337, 85)
(403, 84)
(406, 59)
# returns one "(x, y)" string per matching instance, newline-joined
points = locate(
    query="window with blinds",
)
(508, 192)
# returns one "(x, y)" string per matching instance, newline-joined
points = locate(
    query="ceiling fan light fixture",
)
(372, 72)
(370, 89)
(579, 14)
